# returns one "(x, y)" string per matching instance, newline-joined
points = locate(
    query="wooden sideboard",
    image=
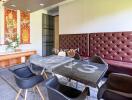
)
(12, 58)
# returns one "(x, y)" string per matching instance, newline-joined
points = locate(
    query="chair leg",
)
(42, 72)
(40, 93)
(25, 98)
(18, 94)
(45, 75)
(34, 89)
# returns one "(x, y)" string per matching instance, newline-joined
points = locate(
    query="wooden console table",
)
(12, 58)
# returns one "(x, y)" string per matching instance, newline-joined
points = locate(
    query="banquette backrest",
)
(113, 45)
(109, 45)
(75, 41)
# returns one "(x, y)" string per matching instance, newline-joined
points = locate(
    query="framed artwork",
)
(25, 27)
(10, 24)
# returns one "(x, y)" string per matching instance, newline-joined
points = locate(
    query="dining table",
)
(48, 63)
(83, 71)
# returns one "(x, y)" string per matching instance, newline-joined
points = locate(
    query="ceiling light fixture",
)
(13, 5)
(41, 4)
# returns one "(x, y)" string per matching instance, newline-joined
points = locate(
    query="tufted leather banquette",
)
(114, 47)
(74, 41)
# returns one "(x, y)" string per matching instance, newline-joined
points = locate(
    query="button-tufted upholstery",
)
(74, 41)
(114, 46)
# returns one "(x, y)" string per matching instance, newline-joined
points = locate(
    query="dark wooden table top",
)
(85, 72)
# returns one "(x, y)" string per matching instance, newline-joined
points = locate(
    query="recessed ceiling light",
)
(13, 5)
(41, 4)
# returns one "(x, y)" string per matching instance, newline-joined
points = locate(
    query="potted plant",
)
(12, 45)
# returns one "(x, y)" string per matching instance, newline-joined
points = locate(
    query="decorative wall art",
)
(10, 25)
(25, 27)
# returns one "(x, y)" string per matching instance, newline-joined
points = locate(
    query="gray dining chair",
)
(58, 91)
(25, 80)
(97, 59)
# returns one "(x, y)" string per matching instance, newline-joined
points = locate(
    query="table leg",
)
(88, 90)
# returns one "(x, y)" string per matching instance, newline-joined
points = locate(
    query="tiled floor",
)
(8, 88)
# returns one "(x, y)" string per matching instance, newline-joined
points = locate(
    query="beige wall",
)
(56, 36)
(82, 16)
(35, 32)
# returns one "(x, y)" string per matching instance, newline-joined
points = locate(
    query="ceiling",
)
(30, 5)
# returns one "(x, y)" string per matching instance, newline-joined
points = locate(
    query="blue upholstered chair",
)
(25, 79)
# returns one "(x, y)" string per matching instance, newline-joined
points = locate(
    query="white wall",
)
(85, 16)
(35, 30)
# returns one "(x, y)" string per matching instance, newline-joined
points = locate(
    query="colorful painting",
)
(25, 27)
(10, 24)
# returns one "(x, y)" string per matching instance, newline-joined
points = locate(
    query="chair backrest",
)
(35, 68)
(23, 72)
(97, 59)
(34, 61)
(120, 82)
(53, 93)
